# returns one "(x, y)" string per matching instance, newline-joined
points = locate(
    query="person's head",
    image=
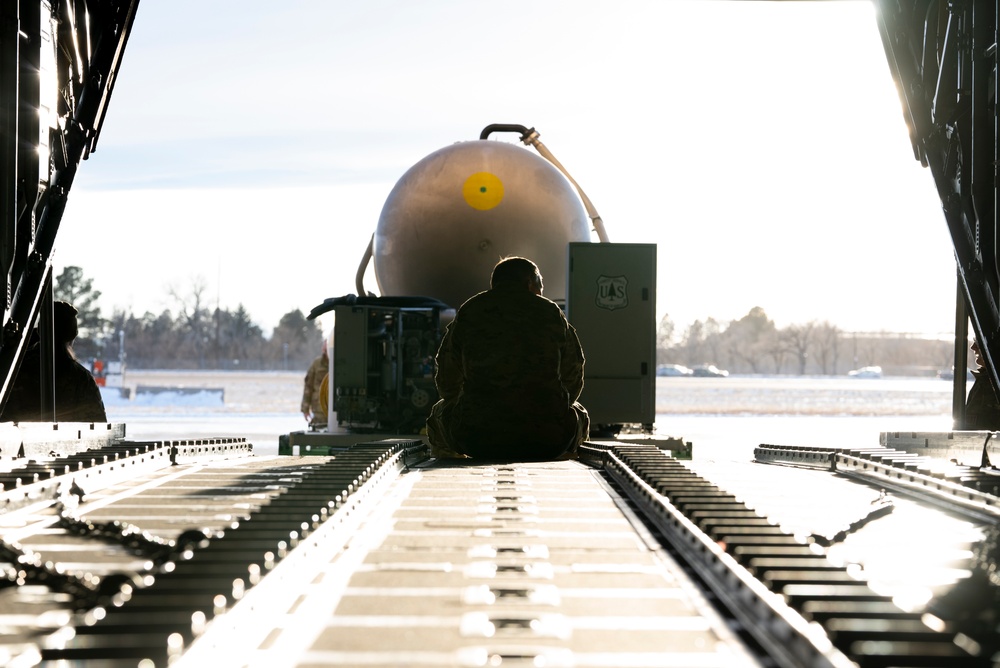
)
(978, 354)
(64, 326)
(517, 272)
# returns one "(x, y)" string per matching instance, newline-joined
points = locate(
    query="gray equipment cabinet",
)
(611, 301)
(383, 366)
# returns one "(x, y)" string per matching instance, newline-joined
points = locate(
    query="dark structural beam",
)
(943, 57)
(58, 63)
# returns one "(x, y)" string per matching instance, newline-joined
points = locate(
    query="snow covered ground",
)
(723, 417)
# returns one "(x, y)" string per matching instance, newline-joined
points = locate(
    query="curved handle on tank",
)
(505, 127)
(595, 218)
(530, 136)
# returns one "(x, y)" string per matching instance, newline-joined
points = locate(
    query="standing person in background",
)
(77, 397)
(982, 411)
(313, 407)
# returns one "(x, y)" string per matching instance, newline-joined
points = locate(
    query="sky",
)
(250, 145)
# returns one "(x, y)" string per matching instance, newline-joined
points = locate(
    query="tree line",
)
(753, 344)
(192, 335)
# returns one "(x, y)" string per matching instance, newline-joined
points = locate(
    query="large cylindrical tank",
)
(452, 216)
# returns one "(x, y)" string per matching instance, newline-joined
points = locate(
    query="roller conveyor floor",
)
(480, 565)
(381, 556)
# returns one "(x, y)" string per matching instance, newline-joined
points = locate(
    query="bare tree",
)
(713, 343)
(195, 318)
(664, 339)
(747, 339)
(865, 349)
(798, 339)
(826, 344)
(693, 341)
(777, 349)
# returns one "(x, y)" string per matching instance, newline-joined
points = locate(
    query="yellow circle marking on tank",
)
(482, 191)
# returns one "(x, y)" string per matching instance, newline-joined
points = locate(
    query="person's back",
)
(510, 369)
(78, 398)
(511, 344)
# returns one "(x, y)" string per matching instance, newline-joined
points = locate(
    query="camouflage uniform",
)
(312, 405)
(509, 373)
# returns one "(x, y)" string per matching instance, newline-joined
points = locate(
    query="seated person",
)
(509, 371)
(78, 399)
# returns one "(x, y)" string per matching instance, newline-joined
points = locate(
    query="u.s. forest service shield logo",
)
(612, 292)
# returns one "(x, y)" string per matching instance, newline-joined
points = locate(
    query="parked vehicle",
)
(673, 370)
(866, 372)
(709, 371)
(949, 374)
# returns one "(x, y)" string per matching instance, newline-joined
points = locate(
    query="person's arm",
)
(448, 376)
(571, 364)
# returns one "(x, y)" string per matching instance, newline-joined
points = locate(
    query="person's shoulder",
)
(485, 295)
(545, 300)
(78, 370)
(475, 302)
(543, 303)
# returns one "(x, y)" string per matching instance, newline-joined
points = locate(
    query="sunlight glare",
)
(915, 556)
